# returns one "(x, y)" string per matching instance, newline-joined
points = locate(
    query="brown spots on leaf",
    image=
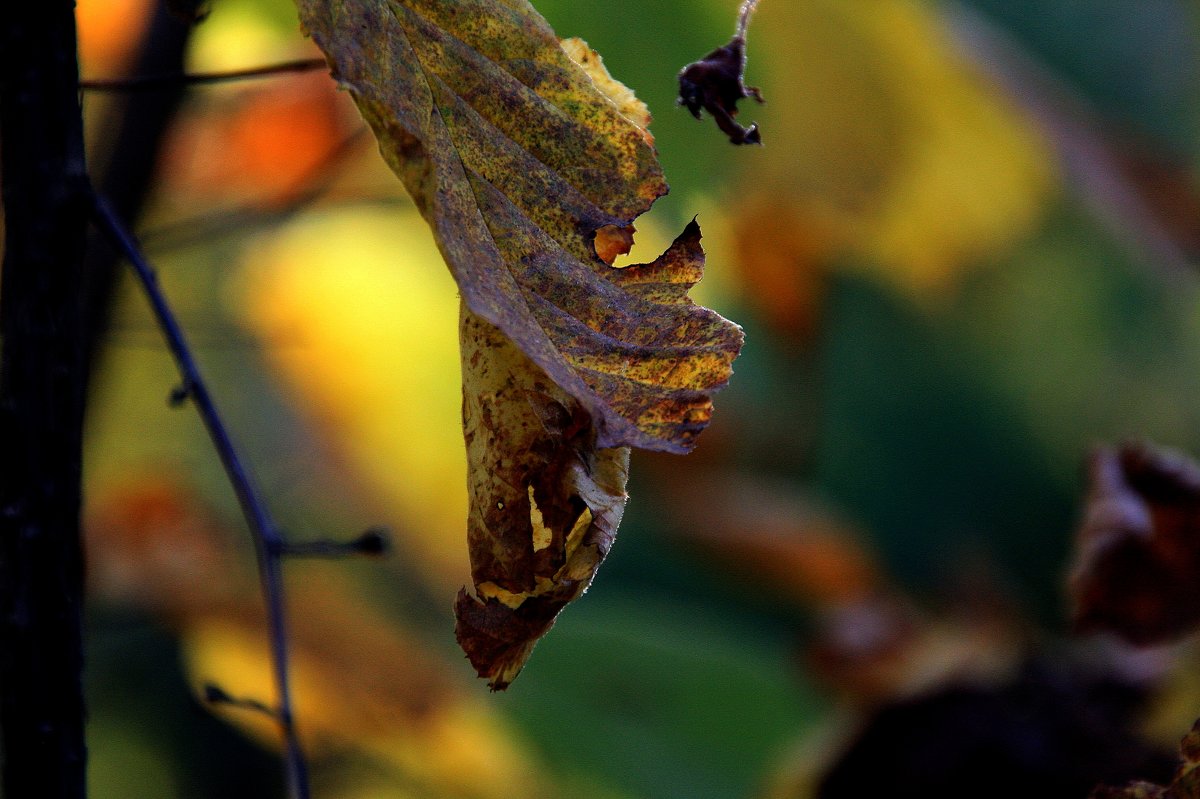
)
(553, 501)
(1137, 560)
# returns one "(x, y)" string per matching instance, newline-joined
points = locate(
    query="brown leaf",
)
(542, 516)
(767, 536)
(1137, 561)
(516, 155)
(715, 83)
(1185, 785)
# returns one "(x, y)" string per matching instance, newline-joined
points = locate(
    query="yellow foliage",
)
(887, 142)
(357, 313)
(404, 714)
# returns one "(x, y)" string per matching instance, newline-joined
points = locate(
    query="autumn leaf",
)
(1137, 560)
(517, 156)
(1185, 785)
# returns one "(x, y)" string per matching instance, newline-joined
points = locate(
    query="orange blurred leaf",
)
(516, 156)
(263, 142)
(108, 30)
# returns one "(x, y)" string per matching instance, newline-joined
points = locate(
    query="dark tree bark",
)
(41, 402)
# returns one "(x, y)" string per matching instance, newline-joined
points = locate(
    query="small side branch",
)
(143, 83)
(373, 542)
(269, 544)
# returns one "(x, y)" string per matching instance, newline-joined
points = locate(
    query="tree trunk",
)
(41, 402)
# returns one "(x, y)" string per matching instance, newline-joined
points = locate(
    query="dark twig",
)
(269, 544)
(716, 83)
(216, 695)
(141, 83)
(372, 542)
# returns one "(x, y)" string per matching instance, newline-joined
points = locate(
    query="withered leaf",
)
(716, 83)
(516, 155)
(1184, 785)
(1137, 563)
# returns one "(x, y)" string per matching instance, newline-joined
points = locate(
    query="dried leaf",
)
(532, 552)
(516, 156)
(1185, 785)
(1137, 561)
(716, 83)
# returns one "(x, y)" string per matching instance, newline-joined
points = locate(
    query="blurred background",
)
(964, 256)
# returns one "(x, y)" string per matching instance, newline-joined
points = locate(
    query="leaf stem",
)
(744, 15)
(269, 544)
(171, 80)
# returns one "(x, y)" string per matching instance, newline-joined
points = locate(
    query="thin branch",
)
(141, 83)
(269, 544)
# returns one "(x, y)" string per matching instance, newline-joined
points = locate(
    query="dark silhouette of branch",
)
(270, 546)
(175, 80)
(42, 393)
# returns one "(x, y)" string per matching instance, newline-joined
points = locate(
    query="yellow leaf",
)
(355, 313)
(360, 682)
(347, 695)
(888, 144)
